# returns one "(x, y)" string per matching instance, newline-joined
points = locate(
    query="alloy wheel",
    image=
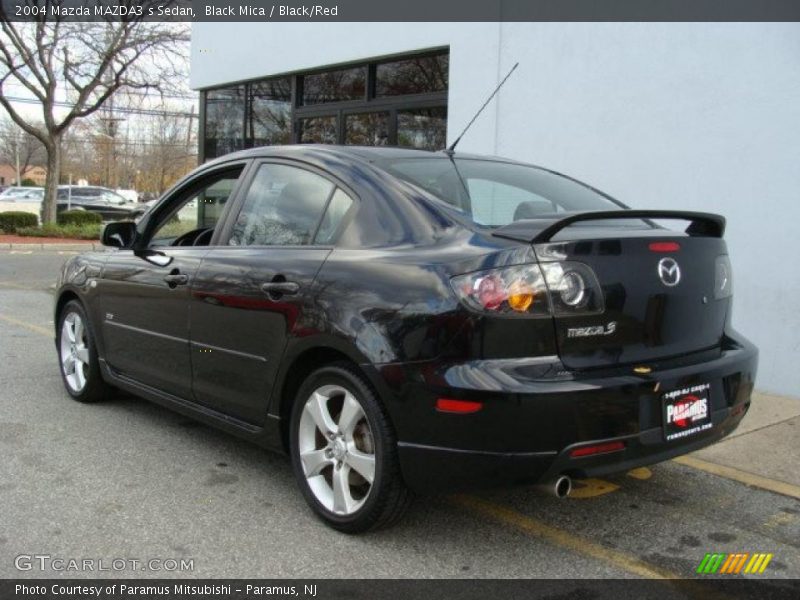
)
(337, 450)
(74, 352)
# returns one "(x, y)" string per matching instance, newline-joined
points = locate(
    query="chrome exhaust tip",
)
(560, 487)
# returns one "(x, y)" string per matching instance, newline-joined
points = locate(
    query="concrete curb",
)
(56, 247)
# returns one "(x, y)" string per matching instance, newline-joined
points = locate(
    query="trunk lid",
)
(659, 299)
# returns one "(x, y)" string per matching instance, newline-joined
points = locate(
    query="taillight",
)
(723, 278)
(559, 288)
(517, 290)
(574, 289)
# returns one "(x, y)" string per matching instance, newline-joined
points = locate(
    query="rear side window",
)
(337, 209)
(285, 206)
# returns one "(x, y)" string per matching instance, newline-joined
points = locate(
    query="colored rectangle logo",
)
(737, 563)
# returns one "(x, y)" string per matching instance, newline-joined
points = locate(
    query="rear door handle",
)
(280, 288)
(175, 279)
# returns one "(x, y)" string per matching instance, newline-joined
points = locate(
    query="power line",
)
(125, 92)
(134, 111)
(131, 142)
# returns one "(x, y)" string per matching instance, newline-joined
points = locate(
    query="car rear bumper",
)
(532, 418)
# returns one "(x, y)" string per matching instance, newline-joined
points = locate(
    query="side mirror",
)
(119, 234)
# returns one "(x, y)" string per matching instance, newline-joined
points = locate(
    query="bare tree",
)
(169, 153)
(19, 148)
(86, 63)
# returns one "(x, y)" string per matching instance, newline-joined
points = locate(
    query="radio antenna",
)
(452, 147)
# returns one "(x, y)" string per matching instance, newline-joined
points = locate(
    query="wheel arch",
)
(64, 297)
(68, 294)
(298, 365)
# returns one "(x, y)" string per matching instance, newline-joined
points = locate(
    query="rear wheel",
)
(344, 453)
(80, 369)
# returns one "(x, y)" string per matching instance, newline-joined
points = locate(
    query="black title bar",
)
(404, 10)
(397, 589)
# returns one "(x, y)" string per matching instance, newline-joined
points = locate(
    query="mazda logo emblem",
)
(669, 272)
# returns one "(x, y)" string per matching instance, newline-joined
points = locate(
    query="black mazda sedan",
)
(403, 321)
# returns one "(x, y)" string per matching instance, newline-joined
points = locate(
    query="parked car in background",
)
(129, 195)
(22, 199)
(22, 194)
(110, 205)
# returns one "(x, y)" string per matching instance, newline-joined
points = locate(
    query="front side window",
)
(112, 197)
(285, 206)
(191, 221)
(86, 192)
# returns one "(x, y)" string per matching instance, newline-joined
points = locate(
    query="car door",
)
(145, 292)
(251, 292)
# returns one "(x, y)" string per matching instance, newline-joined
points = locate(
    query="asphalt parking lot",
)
(128, 479)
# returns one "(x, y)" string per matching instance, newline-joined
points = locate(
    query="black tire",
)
(388, 497)
(94, 389)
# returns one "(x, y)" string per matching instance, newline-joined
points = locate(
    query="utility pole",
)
(189, 131)
(17, 142)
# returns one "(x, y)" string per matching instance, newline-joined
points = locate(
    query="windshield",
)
(494, 193)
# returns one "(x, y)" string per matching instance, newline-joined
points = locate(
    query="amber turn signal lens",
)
(520, 302)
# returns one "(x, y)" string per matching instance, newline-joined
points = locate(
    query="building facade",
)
(697, 116)
(8, 175)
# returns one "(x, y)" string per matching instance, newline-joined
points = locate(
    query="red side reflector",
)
(597, 449)
(457, 406)
(664, 246)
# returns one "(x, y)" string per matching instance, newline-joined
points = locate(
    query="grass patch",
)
(75, 232)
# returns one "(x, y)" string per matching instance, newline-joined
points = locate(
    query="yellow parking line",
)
(751, 479)
(19, 286)
(585, 547)
(559, 537)
(640, 473)
(30, 326)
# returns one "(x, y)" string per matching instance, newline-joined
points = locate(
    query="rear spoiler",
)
(701, 224)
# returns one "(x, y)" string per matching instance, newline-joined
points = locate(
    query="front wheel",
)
(80, 369)
(344, 452)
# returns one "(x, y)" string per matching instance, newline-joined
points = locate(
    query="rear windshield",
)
(494, 193)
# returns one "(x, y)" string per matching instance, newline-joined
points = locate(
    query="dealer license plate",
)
(687, 411)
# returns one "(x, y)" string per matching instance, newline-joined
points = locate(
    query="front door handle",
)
(176, 279)
(280, 288)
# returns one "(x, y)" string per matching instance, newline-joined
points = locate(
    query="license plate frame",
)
(686, 411)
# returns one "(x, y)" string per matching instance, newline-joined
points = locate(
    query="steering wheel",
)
(203, 238)
(188, 238)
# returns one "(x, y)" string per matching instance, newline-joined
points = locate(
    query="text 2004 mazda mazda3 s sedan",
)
(400, 320)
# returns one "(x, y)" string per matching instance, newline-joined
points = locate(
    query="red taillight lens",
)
(519, 290)
(526, 290)
(490, 292)
(458, 406)
(664, 246)
(597, 449)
